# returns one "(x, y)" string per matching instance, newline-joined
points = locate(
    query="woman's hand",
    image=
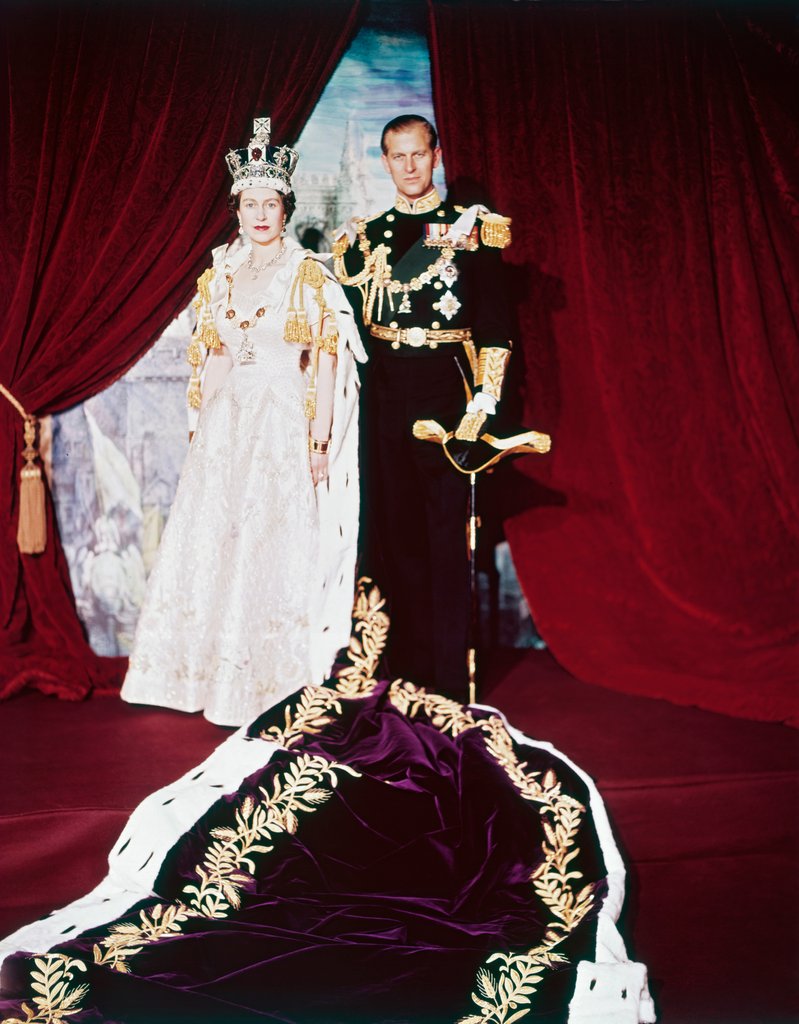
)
(319, 465)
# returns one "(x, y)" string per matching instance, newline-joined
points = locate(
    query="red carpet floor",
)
(704, 807)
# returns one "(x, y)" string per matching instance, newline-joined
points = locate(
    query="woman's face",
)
(261, 214)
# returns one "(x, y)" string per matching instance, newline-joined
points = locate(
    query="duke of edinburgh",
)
(427, 277)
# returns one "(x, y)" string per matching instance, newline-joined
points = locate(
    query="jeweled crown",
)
(261, 165)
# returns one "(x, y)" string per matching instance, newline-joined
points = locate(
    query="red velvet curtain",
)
(647, 153)
(117, 119)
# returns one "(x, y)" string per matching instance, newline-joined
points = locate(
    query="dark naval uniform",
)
(431, 306)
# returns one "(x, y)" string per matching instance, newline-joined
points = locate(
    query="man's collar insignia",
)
(424, 204)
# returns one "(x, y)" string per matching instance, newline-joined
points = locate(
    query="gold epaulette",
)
(341, 242)
(495, 230)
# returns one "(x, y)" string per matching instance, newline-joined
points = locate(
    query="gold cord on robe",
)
(204, 336)
(298, 330)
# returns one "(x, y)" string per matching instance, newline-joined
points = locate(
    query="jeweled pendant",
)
(405, 305)
(246, 351)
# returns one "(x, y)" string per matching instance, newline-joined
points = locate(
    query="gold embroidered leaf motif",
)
(448, 716)
(500, 1001)
(126, 939)
(223, 833)
(485, 984)
(312, 712)
(298, 790)
(58, 997)
(309, 716)
(367, 643)
(503, 998)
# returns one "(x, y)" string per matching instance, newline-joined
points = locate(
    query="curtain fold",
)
(648, 156)
(113, 192)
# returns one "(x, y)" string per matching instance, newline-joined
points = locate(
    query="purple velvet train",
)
(363, 852)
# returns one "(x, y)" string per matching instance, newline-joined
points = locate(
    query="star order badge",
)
(448, 305)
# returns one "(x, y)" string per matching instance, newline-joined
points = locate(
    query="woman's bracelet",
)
(318, 447)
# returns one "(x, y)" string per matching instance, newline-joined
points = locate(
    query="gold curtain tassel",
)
(32, 528)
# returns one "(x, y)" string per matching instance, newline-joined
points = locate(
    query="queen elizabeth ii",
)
(251, 595)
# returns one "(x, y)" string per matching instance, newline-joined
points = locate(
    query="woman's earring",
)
(241, 228)
(283, 229)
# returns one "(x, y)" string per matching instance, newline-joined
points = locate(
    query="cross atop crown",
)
(262, 130)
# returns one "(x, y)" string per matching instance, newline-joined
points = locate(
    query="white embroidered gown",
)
(238, 601)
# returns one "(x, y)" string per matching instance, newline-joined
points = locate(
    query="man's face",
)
(410, 161)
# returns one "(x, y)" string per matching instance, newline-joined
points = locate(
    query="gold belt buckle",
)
(416, 336)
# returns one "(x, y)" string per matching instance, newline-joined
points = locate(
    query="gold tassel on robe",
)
(205, 336)
(298, 330)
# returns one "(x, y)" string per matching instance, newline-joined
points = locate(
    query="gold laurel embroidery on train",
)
(56, 995)
(310, 713)
(503, 996)
(129, 938)
(446, 715)
(553, 877)
(367, 643)
(228, 864)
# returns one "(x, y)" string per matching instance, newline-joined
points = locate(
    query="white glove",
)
(482, 403)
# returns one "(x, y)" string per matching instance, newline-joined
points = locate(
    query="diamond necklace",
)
(256, 270)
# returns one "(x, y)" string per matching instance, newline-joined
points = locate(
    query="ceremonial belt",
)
(420, 337)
